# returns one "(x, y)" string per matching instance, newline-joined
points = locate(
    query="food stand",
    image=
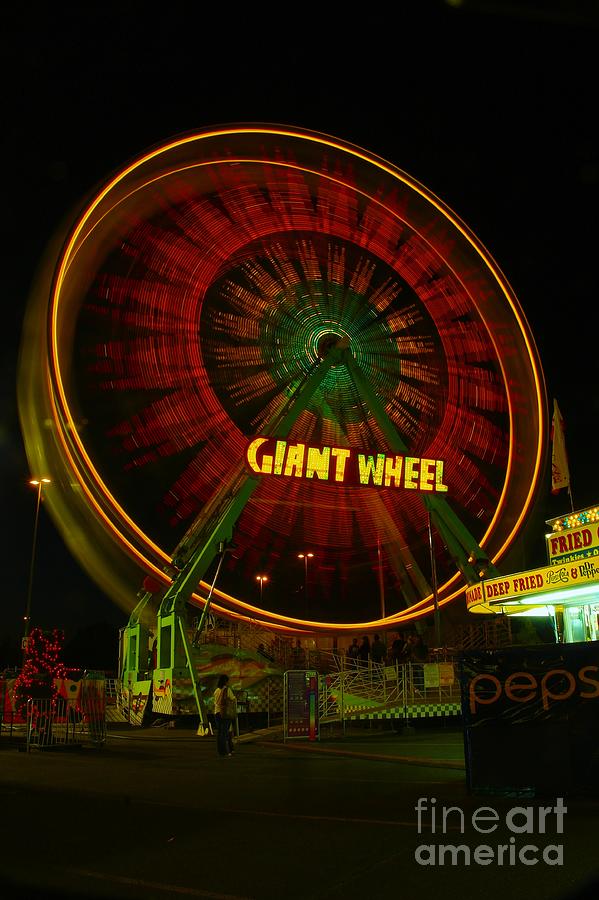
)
(566, 590)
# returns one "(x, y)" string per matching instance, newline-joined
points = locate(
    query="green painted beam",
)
(459, 541)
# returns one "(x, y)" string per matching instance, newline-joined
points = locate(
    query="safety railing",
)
(367, 686)
(370, 680)
(56, 722)
(282, 652)
(50, 723)
(484, 635)
(126, 704)
(431, 682)
(71, 712)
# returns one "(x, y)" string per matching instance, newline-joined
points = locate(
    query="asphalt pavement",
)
(156, 813)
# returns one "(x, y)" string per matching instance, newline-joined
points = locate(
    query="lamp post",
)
(437, 614)
(39, 483)
(381, 576)
(261, 579)
(305, 557)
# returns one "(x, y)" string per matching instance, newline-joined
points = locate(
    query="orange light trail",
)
(73, 246)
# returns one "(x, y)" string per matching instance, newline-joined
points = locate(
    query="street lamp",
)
(305, 557)
(261, 579)
(39, 483)
(437, 615)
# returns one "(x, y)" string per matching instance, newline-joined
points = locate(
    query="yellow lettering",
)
(393, 467)
(295, 460)
(427, 474)
(412, 473)
(279, 456)
(341, 455)
(318, 462)
(252, 456)
(367, 468)
(273, 456)
(439, 486)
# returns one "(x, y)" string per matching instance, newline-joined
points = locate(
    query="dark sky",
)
(493, 106)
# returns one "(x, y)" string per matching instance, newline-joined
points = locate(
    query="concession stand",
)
(566, 591)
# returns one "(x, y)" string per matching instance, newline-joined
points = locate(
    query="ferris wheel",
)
(197, 294)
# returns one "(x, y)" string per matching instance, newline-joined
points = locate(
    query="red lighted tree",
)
(42, 665)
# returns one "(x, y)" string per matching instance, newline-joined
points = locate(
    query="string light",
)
(41, 667)
(574, 520)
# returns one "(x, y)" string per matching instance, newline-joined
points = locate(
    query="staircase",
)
(371, 691)
(488, 635)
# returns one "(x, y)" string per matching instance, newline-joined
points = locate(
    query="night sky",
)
(493, 109)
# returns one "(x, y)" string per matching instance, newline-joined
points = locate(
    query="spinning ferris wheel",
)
(198, 293)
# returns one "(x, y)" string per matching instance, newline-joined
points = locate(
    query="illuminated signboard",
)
(301, 705)
(573, 543)
(535, 581)
(343, 465)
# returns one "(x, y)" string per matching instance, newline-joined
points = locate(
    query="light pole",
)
(437, 615)
(39, 483)
(381, 577)
(261, 579)
(305, 557)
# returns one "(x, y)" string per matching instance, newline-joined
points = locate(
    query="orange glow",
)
(151, 556)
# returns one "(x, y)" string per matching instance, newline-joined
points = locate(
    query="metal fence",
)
(68, 719)
(127, 704)
(370, 690)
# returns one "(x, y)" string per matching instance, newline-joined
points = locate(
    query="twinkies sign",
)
(344, 465)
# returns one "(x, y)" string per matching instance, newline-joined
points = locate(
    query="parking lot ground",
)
(156, 814)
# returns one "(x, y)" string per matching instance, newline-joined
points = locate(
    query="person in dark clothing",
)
(378, 651)
(364, 649)
(299, 655)
(417, 649)
(225, 711)
(398, 649)
(353, 652)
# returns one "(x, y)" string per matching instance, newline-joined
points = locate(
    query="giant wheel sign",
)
(197, 289)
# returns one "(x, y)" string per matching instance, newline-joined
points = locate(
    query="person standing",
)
(399, 649)
(364, 653)
(225, 711)
(299, 655)
(378, 651)
(353, 653)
